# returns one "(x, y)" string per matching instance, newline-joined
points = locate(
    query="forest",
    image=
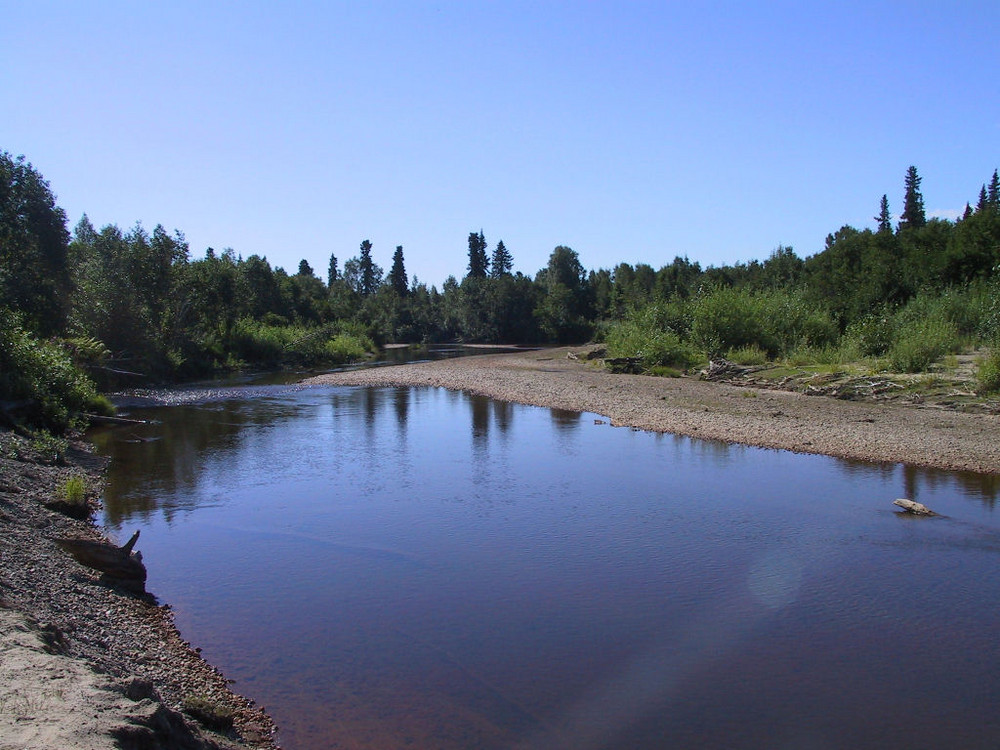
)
(87, 309)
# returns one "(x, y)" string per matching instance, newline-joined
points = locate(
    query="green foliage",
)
(748, 355)
(271, 346)
(988, 372)
(34, 272)
(872, 335)
(643, 334)
(921, 342)
(41, 375)
(74, 490)
(48, 447)
(773, 321)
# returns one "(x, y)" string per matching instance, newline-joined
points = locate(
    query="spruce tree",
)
(370, 274)
(913, 204)
(478, 262)
(993, 192)
(501, 262)
(397, 275)
(884, 219)
(331, 274)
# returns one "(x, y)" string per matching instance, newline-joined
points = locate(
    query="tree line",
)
(137, 301)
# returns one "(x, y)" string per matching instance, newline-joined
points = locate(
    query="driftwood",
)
(119, 564)
(914, 508)
(102, 419)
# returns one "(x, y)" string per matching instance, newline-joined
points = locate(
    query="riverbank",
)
(85, 665)
(877, 431)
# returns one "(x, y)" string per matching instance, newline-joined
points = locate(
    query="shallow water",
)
(388, 568)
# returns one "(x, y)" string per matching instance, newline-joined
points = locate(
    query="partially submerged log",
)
(119, 564)
(913, 508)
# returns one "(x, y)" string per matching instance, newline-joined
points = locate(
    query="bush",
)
(921, 343)
(988, 374)
(273, 345)
(873, 335)
(641, 334)
(41, 378)
(775, 322)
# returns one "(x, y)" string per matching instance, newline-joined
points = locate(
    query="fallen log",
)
(102, 419)
(119, 564)
(913, 508)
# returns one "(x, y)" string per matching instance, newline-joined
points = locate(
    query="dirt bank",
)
(883, 431)
(83, 664)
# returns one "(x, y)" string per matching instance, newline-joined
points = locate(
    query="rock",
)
(914, 508)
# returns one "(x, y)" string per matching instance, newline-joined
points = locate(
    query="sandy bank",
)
(867, 431)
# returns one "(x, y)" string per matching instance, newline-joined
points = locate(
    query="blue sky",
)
(629, 131)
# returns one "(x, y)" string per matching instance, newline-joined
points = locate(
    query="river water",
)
(418, 568)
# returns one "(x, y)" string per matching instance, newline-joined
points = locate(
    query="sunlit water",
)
(417, 568)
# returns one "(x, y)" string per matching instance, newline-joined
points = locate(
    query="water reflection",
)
(441, 570)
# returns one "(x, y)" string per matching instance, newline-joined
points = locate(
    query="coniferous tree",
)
(397, 275)
(884, 219)
(478, 262)
(304, 268)
(993, 192)
(984, 201)
(369, 273)
(913, 216)
(501, 262)
(332, 274)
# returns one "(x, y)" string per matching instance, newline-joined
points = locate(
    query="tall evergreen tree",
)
(397, 275)
(478, 262)
(884, 219)
(993, 192)
(304, 268)
(370, 274)
(913, 216)
(984, 201)
(332, 273)
(502, 262)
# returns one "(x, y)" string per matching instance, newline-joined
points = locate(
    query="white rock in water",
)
(917, 509)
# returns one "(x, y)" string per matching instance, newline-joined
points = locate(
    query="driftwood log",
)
(913, 508)
(119, 564)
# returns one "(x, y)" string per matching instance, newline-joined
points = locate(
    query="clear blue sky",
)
(629, 131)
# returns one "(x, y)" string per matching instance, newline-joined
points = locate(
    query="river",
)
(419, 568)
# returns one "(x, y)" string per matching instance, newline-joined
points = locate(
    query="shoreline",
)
(87, 665)
(871, 431)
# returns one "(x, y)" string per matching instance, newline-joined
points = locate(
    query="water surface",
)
(392, 568)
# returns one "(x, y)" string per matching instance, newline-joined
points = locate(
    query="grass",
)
(988, 373)
(74, 491)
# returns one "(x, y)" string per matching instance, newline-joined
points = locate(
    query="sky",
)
(628, 131)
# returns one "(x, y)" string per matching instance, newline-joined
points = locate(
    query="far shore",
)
(862, 430)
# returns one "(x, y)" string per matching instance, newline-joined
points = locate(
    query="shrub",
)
(988, 373)
(41, 375)
(872, 335)
(74, 490)
(641, 334)
(920, 344)
(775, 322)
